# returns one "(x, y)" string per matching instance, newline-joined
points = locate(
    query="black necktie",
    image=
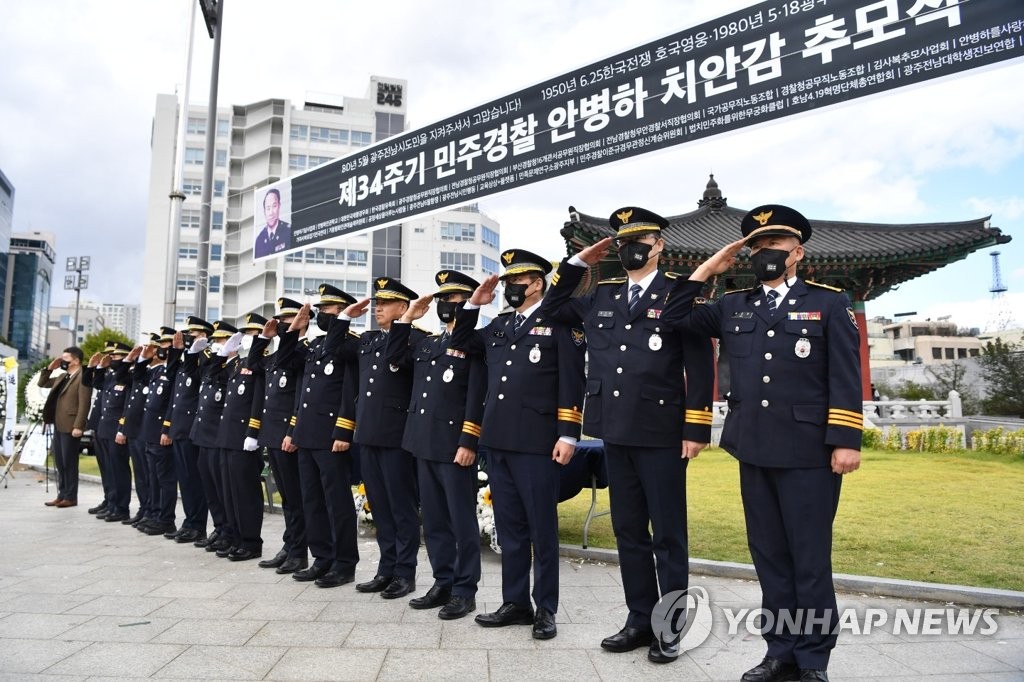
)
(773, 301)
(634, 296)
(518, 322)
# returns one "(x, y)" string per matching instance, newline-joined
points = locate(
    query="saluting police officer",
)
(129, 431)
(163, 483)
(378, 411)
(181, 415)
(282, 370)
(794, 423)
(92, 378)
(324, 466)
(442, 431)
(532, 419)
(652, 421)
(112, 377)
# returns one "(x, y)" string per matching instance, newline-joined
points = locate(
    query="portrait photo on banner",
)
(272, 220)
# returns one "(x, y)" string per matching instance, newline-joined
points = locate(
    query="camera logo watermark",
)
(683, 616)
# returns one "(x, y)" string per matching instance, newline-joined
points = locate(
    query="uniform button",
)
(601, 326)
(628, 326)
(421, 411)
(764, 403)
(737, 328)
(508, 362)
(771, 333)
(424, 395)
(369, 393)
(318, 362)
(428, 378)
(371, 380)
(504, 378)
(803, 331)
(766, 379)
(307, 389)
(661, 402)
(303, 405)
(501, 396)
(618, 370)
(374, 367)
(377, 354)
(312, 375)
(512, 347)
(767, 356)
(433, 362)
(622, 347)
(615, 393)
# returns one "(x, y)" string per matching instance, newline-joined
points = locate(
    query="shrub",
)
(998, 441)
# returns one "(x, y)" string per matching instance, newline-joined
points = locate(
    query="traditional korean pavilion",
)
(864, 259)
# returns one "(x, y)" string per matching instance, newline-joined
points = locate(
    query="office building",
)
(29, 282)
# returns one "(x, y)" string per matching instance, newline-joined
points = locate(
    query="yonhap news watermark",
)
(687, 617)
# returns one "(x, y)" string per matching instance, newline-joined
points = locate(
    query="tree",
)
(952, 376)
(97, 341)
(1002, 365)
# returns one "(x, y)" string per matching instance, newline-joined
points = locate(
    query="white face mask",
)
(246, 342)
(215, 347)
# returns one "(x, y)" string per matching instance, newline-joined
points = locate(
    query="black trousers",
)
(328, 507)
(209, 475)
(119, 472)
(140, 471)
(524, 488)
(66, 449)
(390, 478)
(193, 498)
(106, 477)
(163, 484)
(246, 494)
(789, 514)
(285, 467)
(450, 528)
(647, 487)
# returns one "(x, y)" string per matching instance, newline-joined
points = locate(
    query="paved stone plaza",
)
(82, 599)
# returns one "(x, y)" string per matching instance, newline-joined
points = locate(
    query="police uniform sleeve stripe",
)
(255, 423)
(291, 422)
(343, 423)
(570, 415)
(839, 412)
(555, 278)
(167, 423)
(838, 421)
(699, 417)
(120, 420)
(471, 428)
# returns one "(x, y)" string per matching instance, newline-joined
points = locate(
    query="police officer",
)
(129, 432)
(442, 431)
(163, 483)
(242, 459)
(794, 423)
(389, 472)
(93, 378)
(213, 385)
(282, 370)
(181, 414)
(324, 465)
(532, 418)
(651, 421)
(111, 379)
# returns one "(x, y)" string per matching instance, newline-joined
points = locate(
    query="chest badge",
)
(145, 390)
(241, 389)
(535, 354)
(217, 396)
(394, 368)
(448, 375)
(654, 343)
(329, 368)
(188, 381)
(159, 390)
(802, 347)
(283, 381)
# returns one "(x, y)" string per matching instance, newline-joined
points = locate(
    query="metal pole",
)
(177, 196)
(78, 296)
(203, 265)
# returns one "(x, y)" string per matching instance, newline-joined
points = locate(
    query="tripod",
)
(19, 447)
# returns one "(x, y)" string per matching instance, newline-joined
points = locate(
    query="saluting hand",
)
(54, 364)
(563, 452)
(465, 457)
(104, 362)
(134, 354)
(148, 352)
(720, 262)
(595, 253)
(301, 320)
(269, 329)
(95, 359)
(692, 448)
(357, 309)
(178, 341)
(484, 293)
(418, 309)
(845, 460)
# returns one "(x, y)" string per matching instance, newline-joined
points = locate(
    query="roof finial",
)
(713, 198)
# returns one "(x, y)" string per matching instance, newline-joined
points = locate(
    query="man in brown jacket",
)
(67, 407)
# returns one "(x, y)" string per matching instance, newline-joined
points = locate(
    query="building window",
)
(186, 283)
(296, 161)
(356, 257)
(325, 256)
(216, 251)
(217, 222)
(294, 257)
(356, 288)
(212, 312)
(179, 318)
(188, 251)
(196, 126)
(489, 265)
(293, 285)
(329, 135)
(214, 287)
(361, 139)
(218, 188)
(221, 157)
(936, 353)
(299, 132)
(458, 232)
(192, 186)
(489, 237)
(223, 127)
(458, 261)
(315, 161)
(950, 353)
(189, 219)
(974, 352)
(194, 156)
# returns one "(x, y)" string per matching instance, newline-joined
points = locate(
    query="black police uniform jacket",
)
(381, 404)
(91, 378)
(181, 411)
(448, 390)
(795, 391)
(329, 373)
(282, 371)
(636, 393)
(214, 374)
(134, 407)
(114, 385)
(243, 405)
(534, 379)
(266, 246)
(159, 390)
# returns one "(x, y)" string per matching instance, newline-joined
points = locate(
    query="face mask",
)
(515, 294)
(769, 264)
(323, 320)
(246, 342)
(215, 347)
(446, 310)
(64, 364)
(634, 255)
(161, 353)
(188, 339)
(114, 362)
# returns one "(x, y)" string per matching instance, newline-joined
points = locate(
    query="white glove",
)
(250, 444)
(199, 344)
(231, 345)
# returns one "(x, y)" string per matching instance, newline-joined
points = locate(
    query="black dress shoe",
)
(220, 545)
(292, 565)
(335, 578)
(208, 540)
(813, 675)
(435, 596)
(102, 506)
(189, 535)
(244, 555)
(159, 528)
(102, 514)
(507, 614)
(544, 624)
(399, 587)
(224, 552)
(173, 535)
(274, 562)
(113, 518)
(457, 607)
(627, 639)
(133, 520)
(662, 651)
(378, 584)
(311, 573)
(772, 670)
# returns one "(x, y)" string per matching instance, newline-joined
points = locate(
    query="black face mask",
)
(323, 320)
(162, 353)
(187, 339)
(64, 364)
(769, 264)
(115, 362)
(515, 294)
(634, 255)
(446, 310)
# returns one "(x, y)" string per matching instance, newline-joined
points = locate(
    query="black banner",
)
(771, 60)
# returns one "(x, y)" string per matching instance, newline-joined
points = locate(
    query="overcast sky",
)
(79, 80)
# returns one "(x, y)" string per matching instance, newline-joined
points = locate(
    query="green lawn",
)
(916, 516)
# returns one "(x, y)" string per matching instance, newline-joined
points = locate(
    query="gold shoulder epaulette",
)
(672, 275)
(352, 333)
(737, 291)
(420, 329)
(822, 286)
(305, 341)
(613, 280)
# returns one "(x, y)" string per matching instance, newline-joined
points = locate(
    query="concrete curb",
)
(882, 587)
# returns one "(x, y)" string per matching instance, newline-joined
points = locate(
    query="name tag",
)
(742, 315)
(605, 313)
(816, 315)
(653, 314)
(540, 331)
(455, 353)
(245, 370)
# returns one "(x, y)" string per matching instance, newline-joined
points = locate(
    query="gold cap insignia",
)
(442, 277)
(322, 288)
(280, 303)
(248, 318)
(624, 216)
(381, 283)
(763, 217)
(508, 257)
(216, 325)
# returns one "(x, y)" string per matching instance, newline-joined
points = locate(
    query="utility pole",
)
(213, 15)
(75, 266)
